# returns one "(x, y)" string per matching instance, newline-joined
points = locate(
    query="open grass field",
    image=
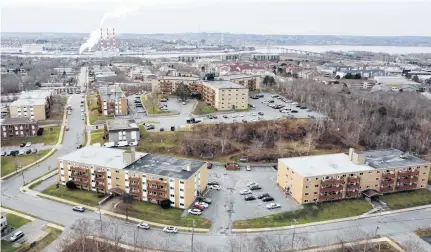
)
(407, 199)
(9, 163)
(80, 196)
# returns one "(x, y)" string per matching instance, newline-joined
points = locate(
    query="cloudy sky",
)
(295, 17)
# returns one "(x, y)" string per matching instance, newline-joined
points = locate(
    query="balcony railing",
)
(155, 189)
(406, 187)
(388, 175)
(332, 181)
(157, 182)
(351, 194)
(387, 182)
(79, 175)
(100, 186)
(353, 179)
(79, 169)
(330, 197)
(134, 179)
(408, 179)
(80, 182)
(99, 173)
(134, 192)
(331, 189)
(386, 189)
(101, 179)
(353, 186)
(157, 197)
(406, 173)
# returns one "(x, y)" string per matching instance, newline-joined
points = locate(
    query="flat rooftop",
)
(99, 156)
(238, 76)
(35, 94)
(178, 78)
(320, 165)
(166, 166)
(18, 120)
(112, 92)
(121, 124)
(224, 84)
(28, 102)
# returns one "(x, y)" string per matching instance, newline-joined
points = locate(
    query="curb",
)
(28, 217)
(359, 217)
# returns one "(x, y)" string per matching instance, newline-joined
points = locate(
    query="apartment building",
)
(252, 82)
(168, 84)
(122, 130)
(112, 101)
(35, 105)
(351, 175)
(264, 56)
(24, 127)
(146, 177)
(224, 95)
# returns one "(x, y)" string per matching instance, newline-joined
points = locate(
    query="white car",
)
(78, 209)
(285, 111)
(245, 192)
(233, 116)
(248, 168)
(205, 205)
(294, 103)
(21, 152)
(28, 144)
(170, 230)
(253, 114)
(265, 102)
(241, 115)
(16, 236)
(194, 211)
(134, 143)
(273, 206)
(143, 225)
(214, 187)
(252, 184)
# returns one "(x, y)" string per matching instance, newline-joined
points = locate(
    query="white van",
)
(123, 144)
(109, 144)
(134, 143)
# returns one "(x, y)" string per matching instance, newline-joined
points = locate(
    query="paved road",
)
(51, 211)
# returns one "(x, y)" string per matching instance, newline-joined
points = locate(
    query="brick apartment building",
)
(13, 128)
(112, 101)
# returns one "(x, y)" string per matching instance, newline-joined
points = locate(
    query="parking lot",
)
(228, 205)
(7, 149)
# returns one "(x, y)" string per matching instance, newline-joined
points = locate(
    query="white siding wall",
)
(109, 179)
(172, 191)
(144, 189)
(182, 201)
(93, 182)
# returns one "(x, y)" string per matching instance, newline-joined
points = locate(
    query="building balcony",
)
(407, 179)
(353, 186)
(135, 179)
(155, 189)
(331, 189)
(387, 182)
(355, 179)
(406, 187)
(99, 173)
(100, 186)
(157, 182)
(157, 197)
(330, 197)
(388, 175)
(134, 185)
(332, 181)
(79, 175)
(407, 173)
(353, 194)
(386, 189)
(80, 182)
(78, 169)
(134, 192)
(99, 179)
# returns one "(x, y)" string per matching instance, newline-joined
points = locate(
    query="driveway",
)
(32, 231)
(38, 146)
(229, 206)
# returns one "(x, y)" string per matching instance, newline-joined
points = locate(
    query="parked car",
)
(249, 197)
(109, 144)
(78, 209)
(213, 183)
(225, 116)
(199, 207)
(309, 110)
(134, 143)
(150, 127)
(255, 187)
(209, 165)
(260, 95)
(245, 192)
(215, 117)
(194, 211)
(170, 230)
(206, 200)
(274, 96)
(21, 152)
(263, 195)
(143, 225)
(251, 184)
(248, 168)
(303, 107)
(22, 145)
(266, 199)
(273, 206)
(253, 114)
(14, 153)
(275, 167)
(79, 146)
(28, 144)
(16, 236)
(294, 111)
(205, 205)
(260, 113)
(214, 187)
(3, 153)
(28, 151)
(244, 121)
(209, 116)
(122, 143)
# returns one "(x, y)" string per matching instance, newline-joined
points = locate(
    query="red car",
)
(199, 207)
(214, 117)
(244, 121)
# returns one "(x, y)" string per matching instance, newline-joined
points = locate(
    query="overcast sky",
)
(343, 17)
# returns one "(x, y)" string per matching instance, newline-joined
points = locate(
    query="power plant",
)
(108, 43)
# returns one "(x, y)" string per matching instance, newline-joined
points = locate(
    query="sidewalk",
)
(88, 131)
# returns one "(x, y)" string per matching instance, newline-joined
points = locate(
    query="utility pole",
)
(293, 235)
(193, 232)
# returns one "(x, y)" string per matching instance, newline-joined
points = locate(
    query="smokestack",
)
(107, 39)
(101, 39)
(113, 39)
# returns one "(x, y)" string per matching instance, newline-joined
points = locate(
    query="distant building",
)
(358, 84)
(224, 95)
(252, 82)
(12, 128)
(187, 58)
(393, 81)
(112, 101)
(146, 177)
(32, 48)
(61, 70)
(168, 84)
(230, 57)
(34, 104)
(311, 179)
(122, 130)
(269, 57)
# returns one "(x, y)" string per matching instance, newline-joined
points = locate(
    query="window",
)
(370, 172)
(377, 178)
(181, 197)
(307, 194)
(171, 188)
(181, 190)
(316, 185)
(306, 186)
(361, 173)
(317, 178)
(172, 195)
(315, 192)
(182, 182)
(181, 204)
(308, 179)
(145, 190)
(92, 181)
(306, 201)
(117, 171)
(109, 176)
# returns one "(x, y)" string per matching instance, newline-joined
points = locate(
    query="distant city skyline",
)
(356, 18)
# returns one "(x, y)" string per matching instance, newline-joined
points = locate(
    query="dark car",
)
(205, 200)
(263, 195)
(213, 183)
(275, 167)
(249, 197)
(294, 111)
(255, 187)
(28, 151)
(214, 117)
(200, 207)
(22, 145)
(303, 107)
(210, 117)
(260, 113)
(162, 129)
(224, 116)
(150, 127)
(271, 101)
(266, 199)
(298, 106)
(14, 153)
(79, 147)
(260, 95)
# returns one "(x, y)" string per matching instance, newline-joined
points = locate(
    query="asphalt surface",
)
(318, 235)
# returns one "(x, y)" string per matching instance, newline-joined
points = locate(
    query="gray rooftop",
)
(309, 166)
(121, 124)
(35, 94)
(18, 120)
(28, 102)
(238, 76)
(112, 92)
(224, 84)
(178, 78)
(166, 166)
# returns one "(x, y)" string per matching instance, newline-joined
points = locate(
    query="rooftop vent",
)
(187, 167)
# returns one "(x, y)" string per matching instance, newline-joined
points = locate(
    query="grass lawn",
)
(310, 213)
(424, 232)
(48, 239)
(16, 221)
(152, 104)
(6, 246)
(8, 164)
(203, 108)
(80, 196)
(48, 138)
(154, 213)
(97, 136)
(407, 199)
(159, 142)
